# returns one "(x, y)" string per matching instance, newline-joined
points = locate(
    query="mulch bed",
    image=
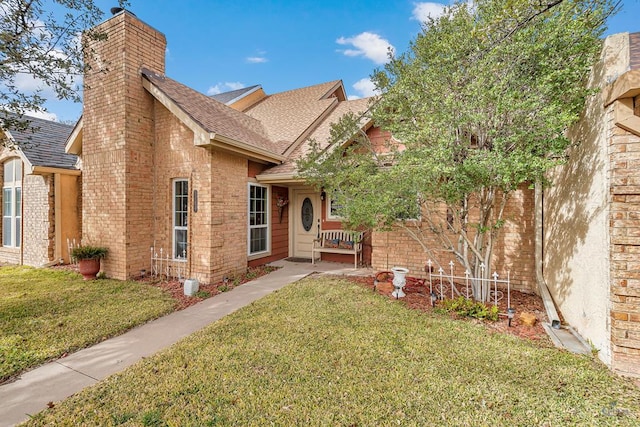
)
(418, 298)
(176, 290)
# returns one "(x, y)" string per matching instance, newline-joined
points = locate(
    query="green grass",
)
(46, 313)
(328, 352)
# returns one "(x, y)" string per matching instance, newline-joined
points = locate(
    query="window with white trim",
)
(12, 203)
(333, 208)
(258, 236)
(180, 217)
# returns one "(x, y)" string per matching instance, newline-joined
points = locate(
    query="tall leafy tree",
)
(41, 50)
(478, 107)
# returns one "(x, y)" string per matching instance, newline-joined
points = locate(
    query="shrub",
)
(89, 252)
(469, 308)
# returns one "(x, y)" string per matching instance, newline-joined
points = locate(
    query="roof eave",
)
(202, 137)
(238, 147)
(40, 170)
(74, 142)
(279, 178)
(244, 94)
(28, 166)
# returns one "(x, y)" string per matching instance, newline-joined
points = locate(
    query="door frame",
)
(295, 218)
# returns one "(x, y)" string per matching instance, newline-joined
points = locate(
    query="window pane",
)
(6, 202)
(18, 223)
(180, 246)
(18, 205)
(17, 176)
(6, 231)
(8, 171)
(258, 240)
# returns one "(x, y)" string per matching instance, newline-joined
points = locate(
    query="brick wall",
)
(624, 151)
(117, 148)
(38, 221)
(513, 251)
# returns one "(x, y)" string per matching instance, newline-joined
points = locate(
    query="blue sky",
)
(216, 46)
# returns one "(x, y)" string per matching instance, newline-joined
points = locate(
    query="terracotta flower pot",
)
(89, 268)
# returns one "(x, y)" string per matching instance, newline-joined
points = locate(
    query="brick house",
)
(166, 166)
(40, 194)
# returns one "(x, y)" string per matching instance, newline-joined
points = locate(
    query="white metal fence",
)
(71, 244)
(164, 266)
(480, 288)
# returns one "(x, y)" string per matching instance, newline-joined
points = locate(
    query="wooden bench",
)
(338, 242)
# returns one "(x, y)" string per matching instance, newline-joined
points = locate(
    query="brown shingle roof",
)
(43, 141)
(288, 116)
(320, 135)
(213, 116)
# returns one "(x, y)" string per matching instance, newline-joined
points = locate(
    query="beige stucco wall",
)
(68, 209)
(576, 214)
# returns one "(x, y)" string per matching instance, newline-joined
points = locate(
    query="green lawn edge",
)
(45, 314)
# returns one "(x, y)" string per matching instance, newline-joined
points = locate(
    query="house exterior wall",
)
(117, 148)
(68, 213)
(513, 251)
(38, 221)
(279, 228)
(177, 157)
(582, 217)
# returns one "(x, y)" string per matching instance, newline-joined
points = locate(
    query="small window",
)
(12, 204)
(333, 208)
(180, 218)
(258, 210)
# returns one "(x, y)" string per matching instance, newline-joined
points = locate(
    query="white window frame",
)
(174, 220)
(14, 187)
(330, 215)
(267, 215)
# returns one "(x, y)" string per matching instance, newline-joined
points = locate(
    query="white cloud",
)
(224, 87)
(369, 45)
(365, 88)
(256, 59)
(422, 11)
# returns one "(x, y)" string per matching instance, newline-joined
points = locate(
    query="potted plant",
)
(89, 259)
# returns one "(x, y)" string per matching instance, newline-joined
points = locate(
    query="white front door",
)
(306, 221)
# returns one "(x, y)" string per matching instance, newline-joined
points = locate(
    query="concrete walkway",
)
(57, 380)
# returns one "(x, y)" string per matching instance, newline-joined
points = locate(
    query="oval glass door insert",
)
(307, 214)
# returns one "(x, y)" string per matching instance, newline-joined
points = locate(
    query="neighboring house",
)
(164, 166)
(40, 194)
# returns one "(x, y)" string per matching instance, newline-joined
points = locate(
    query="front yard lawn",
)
(45, 313)
(329, 352)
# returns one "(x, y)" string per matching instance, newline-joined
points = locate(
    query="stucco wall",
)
(576, 214)
(68, 207)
